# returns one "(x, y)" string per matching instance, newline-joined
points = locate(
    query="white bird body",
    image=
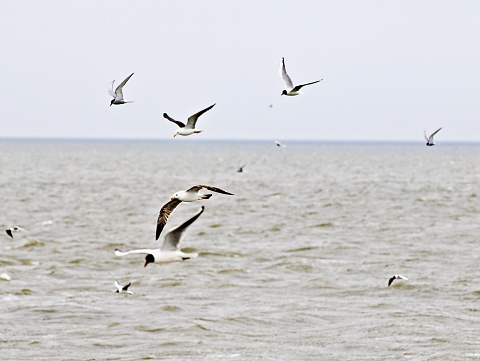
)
(396, 277)
(170, 250)
(291, 89)
(118, 93)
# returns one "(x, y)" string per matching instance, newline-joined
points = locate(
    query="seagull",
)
(291, 90)
(10, 231)
(395, 277)
(281, 145)
(430, 138)
(118, 94)
(240, 168)
(170, 251)
(123, 289)
(189, 195)
(188, 129)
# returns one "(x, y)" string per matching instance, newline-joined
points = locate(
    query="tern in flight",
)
(291, 89)
(118, 93)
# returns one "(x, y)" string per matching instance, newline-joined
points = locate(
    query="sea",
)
(294, 266)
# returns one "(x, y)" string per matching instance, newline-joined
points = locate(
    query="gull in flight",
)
(280, 145)
(189, 195)
(291, 90)
(11, 230)
(188, 129)
(430, 138)
(123, 289)
(396, 277)
(240, 168)
(118, 93)
(170, 251)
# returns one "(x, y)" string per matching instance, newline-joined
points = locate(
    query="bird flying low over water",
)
(280, 145)
(395, 277)
(189, 195)
(430, 138)
(189, 128)
(170, 250)
(240, 168)
(118, 93)
(14, 229)
(123, 289)
(291, 89)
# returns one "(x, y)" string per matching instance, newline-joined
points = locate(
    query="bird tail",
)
(206, 196)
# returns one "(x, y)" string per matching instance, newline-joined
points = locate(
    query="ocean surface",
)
(294, 266)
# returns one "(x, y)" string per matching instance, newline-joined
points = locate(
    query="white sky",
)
(391, 68)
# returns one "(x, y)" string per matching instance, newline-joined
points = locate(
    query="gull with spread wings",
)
(291, 89)
(190, 195)
(189, 128)
(118, 93)
(170, 250)
(430, 138)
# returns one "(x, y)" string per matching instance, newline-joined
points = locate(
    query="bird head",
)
(149, 259)
(112, 102)
(284, 92)
(175, 196)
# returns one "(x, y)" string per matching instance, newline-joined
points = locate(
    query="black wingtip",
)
(165, 115)
(9, 232)
(159, 231)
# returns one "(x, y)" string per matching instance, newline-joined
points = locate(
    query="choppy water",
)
(293, 267)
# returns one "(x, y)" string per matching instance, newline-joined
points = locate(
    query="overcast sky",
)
(391, 68)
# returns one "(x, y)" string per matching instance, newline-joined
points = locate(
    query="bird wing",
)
(425, 136)
(390, 281)
(9, 232)
(177, 122)
(214, 189)
(435, 132)
(193, 119)
(164, 213)
(298, 87)
(143, 251)
(125, 288)
(284, 75)
(117, 285)
(110, 89)
(173, 238)
(118, 91)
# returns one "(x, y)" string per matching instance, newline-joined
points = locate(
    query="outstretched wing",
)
(165, 212)
(118, 91)
(213, 189)
(142, 251)
(177, 122)
(192, 120)
(435, 132)
(425, 136)
(110, 89)
(284, 75)
(298, 87)
(173, 238)
(125, 288)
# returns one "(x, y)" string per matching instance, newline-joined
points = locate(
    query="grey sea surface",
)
(294, 266)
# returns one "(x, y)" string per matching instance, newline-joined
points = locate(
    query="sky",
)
(391, 69)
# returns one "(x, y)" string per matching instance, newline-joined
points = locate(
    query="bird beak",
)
(172, 198)
(175, 135)
(145, 265)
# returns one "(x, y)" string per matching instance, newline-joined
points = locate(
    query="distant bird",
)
(192, 120)
(280, 145)
(396, 277)
(189, 195)
(291, 90)
(118, 93)
(240, 168)
(170, 251)
(14, 229)
(123, 289)
(430, 138)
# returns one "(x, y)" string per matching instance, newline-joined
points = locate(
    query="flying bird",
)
(170, 250)
(395, 277)
(280, 145)
(291, 90)
(123, 289)
(240, 168)
(118, 93)
(188, 129)
(189, 195)
(14, 229)
(430, 138)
